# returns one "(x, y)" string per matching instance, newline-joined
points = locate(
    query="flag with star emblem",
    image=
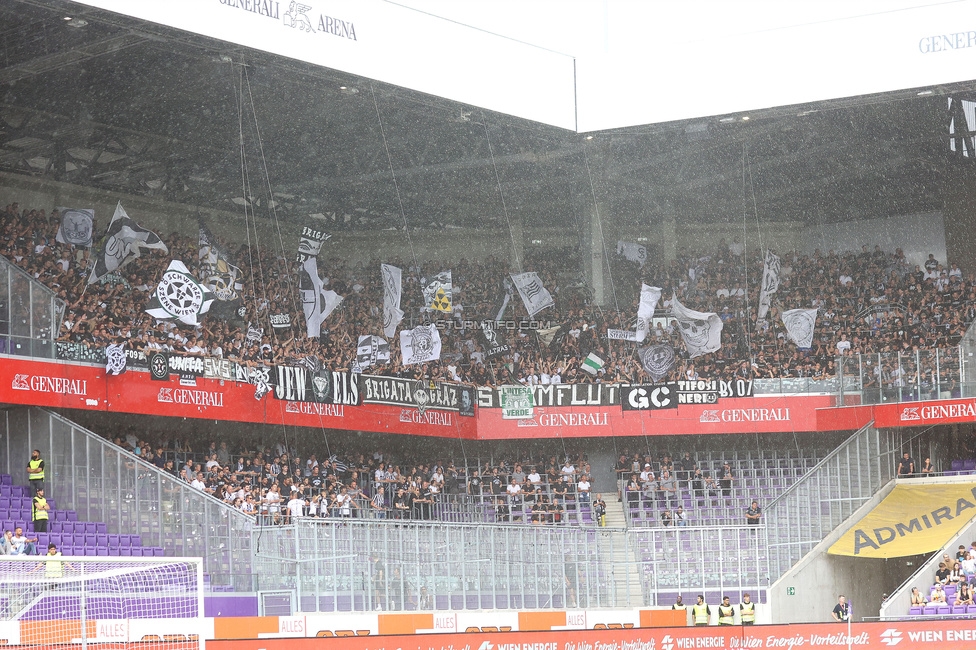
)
(179, 296)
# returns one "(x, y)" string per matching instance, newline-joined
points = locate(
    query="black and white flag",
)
(216, 270)
(392, 315)
(507, 289)
(310, 243)
(123, 243)
(535, 297)
(420, 345)
(632, 252)
(438, 292)
(649, 298)
(800, 324)
(372, 351)
(494, 341)
(701, 331)
(317, 302)
(179, 296)
(254, 333)
(770, 283)
(657, 360)
(116, 359)
(77, 226)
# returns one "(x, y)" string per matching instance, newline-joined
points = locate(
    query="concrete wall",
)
(916, 234)
(819, 578)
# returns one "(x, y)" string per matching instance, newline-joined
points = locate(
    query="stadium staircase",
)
(619, 553)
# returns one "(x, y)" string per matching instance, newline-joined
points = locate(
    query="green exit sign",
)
(791, 591)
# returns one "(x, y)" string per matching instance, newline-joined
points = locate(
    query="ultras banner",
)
(913, 519)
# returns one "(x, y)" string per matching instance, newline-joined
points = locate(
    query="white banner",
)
(770, 283)
(800, 324)
(420, 345)
(535, 297)
(645, 310)
(77, 226)
(392, 316)
(621, 335)
(372, 350)
(179, 296)
(701, 331)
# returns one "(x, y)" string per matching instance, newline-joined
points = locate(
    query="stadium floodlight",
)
(48, 600)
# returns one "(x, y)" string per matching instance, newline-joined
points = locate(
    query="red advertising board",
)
(864, 636)
(83, 386)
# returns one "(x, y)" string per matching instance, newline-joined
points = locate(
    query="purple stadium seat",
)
(53, 504)
(958, 609)
(971, 609)
(915, 611)
(157, 551)
(113, 541)
(101, 540)
(968, 465)
(930, 610)
(944, 610)
(72, 515)
(6, 479)
(956, 465)
(90, 527)
(136, 540)
(6, 491)
(125, 551)
(101, 528)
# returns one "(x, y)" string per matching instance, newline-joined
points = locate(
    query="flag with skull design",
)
(701, 331)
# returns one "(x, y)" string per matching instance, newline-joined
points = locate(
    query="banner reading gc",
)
(912, 519)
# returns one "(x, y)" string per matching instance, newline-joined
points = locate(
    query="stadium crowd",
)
(869, 301)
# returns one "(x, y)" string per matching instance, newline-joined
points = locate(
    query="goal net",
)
(82, 601)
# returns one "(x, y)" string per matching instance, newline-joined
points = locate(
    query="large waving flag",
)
(438, 292)
(420, 345)
(800, 324)
(701, 331)
(770, 283)
(123, 243)
(317, 302)
(632, 252)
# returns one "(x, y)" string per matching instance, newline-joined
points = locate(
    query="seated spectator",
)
(965, 594)
(680, 517)
(938, 594)
(22, 545)
(917, 598)
(927, 467)
(6, 543)
(942, 575)
(969, 566)
(956, 574)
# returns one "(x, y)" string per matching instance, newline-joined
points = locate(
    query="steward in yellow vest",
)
(726, 613)
(35, 471)
(700, 612)
(747, 610)
(40, 512)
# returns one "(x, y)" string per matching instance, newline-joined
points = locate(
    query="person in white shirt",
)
(583, 488)
(534, 477)
(199, 484)
(296, 507)
(568, 469)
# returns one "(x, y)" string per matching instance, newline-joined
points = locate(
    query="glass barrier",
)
(30, 314)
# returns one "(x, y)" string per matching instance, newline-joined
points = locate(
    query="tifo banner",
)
(912, 520)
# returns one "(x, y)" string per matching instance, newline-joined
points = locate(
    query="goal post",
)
(81, 601)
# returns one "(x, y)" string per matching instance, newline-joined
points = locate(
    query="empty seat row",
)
(943, 610)
(88, 539)
(105, 551)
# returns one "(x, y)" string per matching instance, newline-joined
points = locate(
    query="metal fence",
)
(394, 565)
(101, 482)
(828, 494)
(30, 314)
(907, 376)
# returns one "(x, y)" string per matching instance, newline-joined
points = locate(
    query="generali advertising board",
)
(341, 400)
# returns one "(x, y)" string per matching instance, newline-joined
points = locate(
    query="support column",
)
(593, 257)
(960, 213)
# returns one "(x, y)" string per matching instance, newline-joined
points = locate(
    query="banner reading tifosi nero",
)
(912, 519)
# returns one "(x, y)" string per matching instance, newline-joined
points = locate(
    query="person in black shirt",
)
(906, 466)
(474, 486)
(842, 611)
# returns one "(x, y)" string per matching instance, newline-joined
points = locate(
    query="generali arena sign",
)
(391, 405)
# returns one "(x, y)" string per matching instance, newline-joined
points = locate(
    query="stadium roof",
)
(128, 106)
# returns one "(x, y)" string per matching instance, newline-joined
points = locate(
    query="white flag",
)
(179, 296)
(438, 292)
(701, 331)
(592, 364)
(534, 295)
(115, 359)
(770, 283)
(645, 310)
(799, 326)
(317, 303)
(632, 252)
(420, 345)
(77, 226)
(392, 315)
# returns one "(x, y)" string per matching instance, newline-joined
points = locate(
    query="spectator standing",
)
(747, 610)
(700, 612)
(35, 471)
(40, 511)
(426, 599)
(906, 466)
(600, 510)
(726, 612)
(754, 514)
(842, 611)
